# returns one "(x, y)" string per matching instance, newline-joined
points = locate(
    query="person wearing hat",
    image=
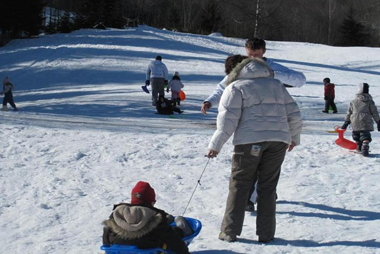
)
(141, 224)
(175, 85)
(329, 96)
(360, 114)
(8, 96)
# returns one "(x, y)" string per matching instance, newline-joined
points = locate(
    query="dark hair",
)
(326, 80)
(365, 88)
(255, 43)
(176, 77)
(232, 61)
(159, 58)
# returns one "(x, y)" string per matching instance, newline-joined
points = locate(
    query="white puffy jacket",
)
(256, 108)
(282, 73)
(157, 69)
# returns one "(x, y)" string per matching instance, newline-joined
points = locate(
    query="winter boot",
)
(4, 108)
(184, 225)
(365, 149)
(228, 238)
(358, 147)
(249, 207)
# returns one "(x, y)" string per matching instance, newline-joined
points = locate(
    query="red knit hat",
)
(143, 194)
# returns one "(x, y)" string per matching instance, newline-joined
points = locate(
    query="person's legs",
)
(268, 176)
(161, 86)
(154, 84)
(326, 106)
(365, 138)
(356, 138)
(333, 106)
(10, 100)
(243, 170)
(5, 101)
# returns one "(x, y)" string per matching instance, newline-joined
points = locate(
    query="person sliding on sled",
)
(166, 107)
(360, 114)
(175, 85)
(141, 224)
(8, 96)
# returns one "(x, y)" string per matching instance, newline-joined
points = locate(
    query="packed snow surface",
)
(85, 133)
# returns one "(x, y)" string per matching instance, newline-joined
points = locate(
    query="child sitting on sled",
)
(141, 224)
(166, 107)
(175, 85)
(8, 96)
(360, 114)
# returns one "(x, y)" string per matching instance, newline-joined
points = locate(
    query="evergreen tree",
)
(353, 33)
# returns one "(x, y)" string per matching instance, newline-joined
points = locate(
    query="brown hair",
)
(232, 61)
(255, 43)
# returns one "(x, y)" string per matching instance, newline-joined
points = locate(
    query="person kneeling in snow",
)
(141, 224)
(166, 107)
(360, 113)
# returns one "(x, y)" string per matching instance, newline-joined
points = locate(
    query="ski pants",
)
(360, 136)
(330, 102)
(8, 98)
(267, 165)
(158, 89)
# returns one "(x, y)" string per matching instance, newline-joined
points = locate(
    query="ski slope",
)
(85, 133)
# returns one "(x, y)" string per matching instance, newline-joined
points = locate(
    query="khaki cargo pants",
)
(267, 162)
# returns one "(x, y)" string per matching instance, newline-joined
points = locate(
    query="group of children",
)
(167, 107)
(360, 114)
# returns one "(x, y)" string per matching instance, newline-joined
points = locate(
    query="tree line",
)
(331, 22)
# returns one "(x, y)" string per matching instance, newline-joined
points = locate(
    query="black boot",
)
(179, 101)
(365, 149)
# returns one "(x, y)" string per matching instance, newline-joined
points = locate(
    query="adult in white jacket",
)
(157, 76)
(256, 47)
(265, 121)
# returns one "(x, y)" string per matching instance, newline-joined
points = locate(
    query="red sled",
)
(182, 95)
(342, 142)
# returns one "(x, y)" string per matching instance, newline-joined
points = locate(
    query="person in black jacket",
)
(166, 107)
(8, 96)
(142, 225)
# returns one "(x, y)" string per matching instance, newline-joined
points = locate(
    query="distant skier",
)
(166, 107)
(175, 86)
(8, 95)
(157, 76)
(141, 224)
(329, 96)
(360, 114)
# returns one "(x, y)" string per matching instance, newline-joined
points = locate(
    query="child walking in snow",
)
(360, 114)
(175, 85)
(141, 224)
(8, 96)
(329, 96)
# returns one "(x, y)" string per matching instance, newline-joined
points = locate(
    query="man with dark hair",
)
(157, 76)
(256, 47)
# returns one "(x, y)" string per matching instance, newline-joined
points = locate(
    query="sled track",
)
(116, 124)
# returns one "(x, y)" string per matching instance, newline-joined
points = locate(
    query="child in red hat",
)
(141, 224)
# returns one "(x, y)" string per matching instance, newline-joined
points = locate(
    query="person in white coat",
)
(265, 121)
(175, 85)
(256, 47)
(157, 76)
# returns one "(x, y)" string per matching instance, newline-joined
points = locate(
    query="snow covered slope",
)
(86, 133)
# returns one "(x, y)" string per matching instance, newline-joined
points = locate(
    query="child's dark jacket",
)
(165, 108)
(329, 91)
(142, 226)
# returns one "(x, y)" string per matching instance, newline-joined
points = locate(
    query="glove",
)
(345, 125)
(378, 126)
(325, 98)
(147, 82)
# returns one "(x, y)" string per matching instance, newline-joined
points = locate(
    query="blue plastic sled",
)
(145, 89)
(195, 224)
